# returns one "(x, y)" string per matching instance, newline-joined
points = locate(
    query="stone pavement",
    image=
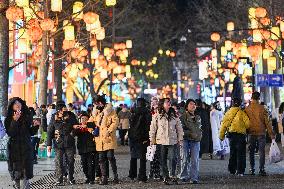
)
(213, 174)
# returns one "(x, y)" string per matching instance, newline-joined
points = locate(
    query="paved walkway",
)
(213, 174)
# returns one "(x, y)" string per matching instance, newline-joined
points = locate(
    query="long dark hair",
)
(25, 118)
(171, 113)
(281, 108)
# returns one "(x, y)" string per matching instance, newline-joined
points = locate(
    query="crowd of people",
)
(181, 133)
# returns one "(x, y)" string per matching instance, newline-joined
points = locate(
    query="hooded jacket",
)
(107, 121)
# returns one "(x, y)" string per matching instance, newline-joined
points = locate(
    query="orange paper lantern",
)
(90, 17)
(35, 33)
(14, 13)
(47, 24)
(215, 36)
(271, 45)
(68, 44)
(265, 21)
(260, 12)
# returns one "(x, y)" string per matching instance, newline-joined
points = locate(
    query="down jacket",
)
(235, 121)
(164, 131)
(107, 121)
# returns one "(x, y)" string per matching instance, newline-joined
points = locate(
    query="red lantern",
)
(33, 23)
(40, 14)
(172, 54)
(215, 37)
(35, 34)
(90, 17)
(271, 45)
(14, 13)
(265, 34)
(47, 24)
(260, 12)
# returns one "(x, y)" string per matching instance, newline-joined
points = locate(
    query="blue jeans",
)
(168, 152)
(190, 167)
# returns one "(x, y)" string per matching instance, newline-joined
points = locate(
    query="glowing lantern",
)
(23, 3)
(78, 11)
(257, 37)
(14, 14)
(248, 72)
(253, 24)
(231, 65)
(112, 65)
(110, 3)
(128, 75)
(47, 24)
(214, 53)
(91, 17)
(260, 12)
(251, 12)
(66, 23)
(82, 59)
(168, 52)
(83, 52)
(230, 26)
(101, 34)
(228, 45)
(125, 53)
(127, 69)
(22, 45)
(103, 74)
(223, 51)
(271, 63)
(23, 33)
(40, 14)
(106, 51)
(75, 53)
(35, 33)
(271, 45)
(275, 33)
(129, 44)
(282, 26)
(244, 51)
(93, 27)
(94, 54)
(265, 34)
(160, 51)
(56, 5)
(117, 70)
(28, 13)
(172, 54)
(265, 21)
(215, 37)
(69, 32)
(68, 44)
(266, 53)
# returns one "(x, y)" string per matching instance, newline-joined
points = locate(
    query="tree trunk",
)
(4, 58)
(58, 68)
(44, 63)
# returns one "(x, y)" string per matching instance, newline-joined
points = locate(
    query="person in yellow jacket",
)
(106, 120)
(235, 124)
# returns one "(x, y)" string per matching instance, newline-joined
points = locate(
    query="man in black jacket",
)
(138, 139)
(61, 130)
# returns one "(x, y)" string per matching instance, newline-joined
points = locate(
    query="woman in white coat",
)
(220, 148)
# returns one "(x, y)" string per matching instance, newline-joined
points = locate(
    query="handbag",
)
(228, 135)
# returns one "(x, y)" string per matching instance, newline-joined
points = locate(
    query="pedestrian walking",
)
(106, 121)
(138, 139)
(235, 124)
(36, 137)
(220, 148)
(123, 116)
(18, 125)
(259, 124)
(166, 131)
(191, 124)
(62, 131)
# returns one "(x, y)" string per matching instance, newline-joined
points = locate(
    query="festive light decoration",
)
(251, 13)
(14, 14)
(228, 45)
(47, 24)
(110, 3)
(223, 51)
(265, 21)
(230, 26)
(214, 53)
(253, 24)
(271, 63)
(271, 45)
(257, 37)
(23, 3)
(215, 37)
(265, 53)
(68, 44)
(129, 44)
(260, 12)
(34, 33)
(275, 33)
(90, 18)
(282, 26)
(56, 5)
(22, 45)
(78, 11)
(100, 35)
(69, 32)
